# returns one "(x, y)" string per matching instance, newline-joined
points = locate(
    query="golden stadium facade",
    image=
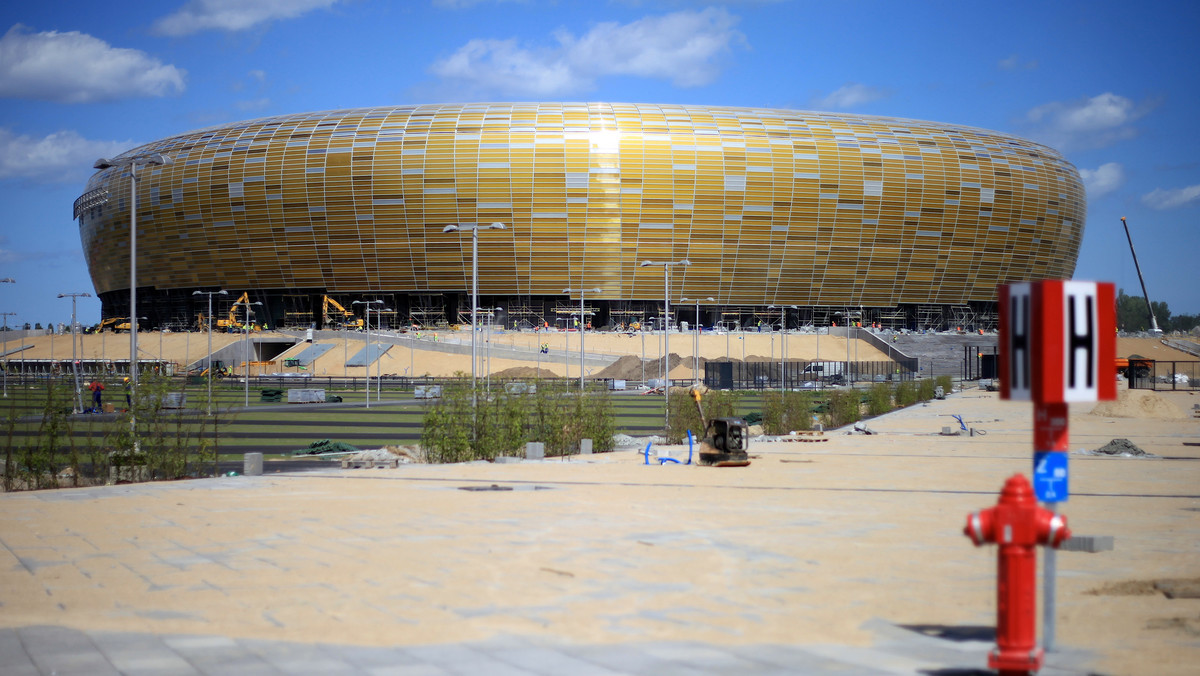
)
(909, 222)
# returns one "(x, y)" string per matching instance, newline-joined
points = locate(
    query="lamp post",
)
(696, 339)
(74, 358)
(208, 321)
(666, 266)
(487, 359)
(474, 229)
(367, 351)
(379, 360)
(582, 326)
(782, 343)
(6, 315)
(246, 334)
(132, 163)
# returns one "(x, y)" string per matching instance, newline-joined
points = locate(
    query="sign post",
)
(1057, 346)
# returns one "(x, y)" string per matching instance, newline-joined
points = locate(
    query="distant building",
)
(907, 223)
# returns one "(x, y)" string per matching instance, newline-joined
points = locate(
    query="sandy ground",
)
(183, 348)
(808, 545)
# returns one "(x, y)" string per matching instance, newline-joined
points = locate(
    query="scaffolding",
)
(525, 314)
(427, 310)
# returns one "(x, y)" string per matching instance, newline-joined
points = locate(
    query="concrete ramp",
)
(312, 353)
(368, 355)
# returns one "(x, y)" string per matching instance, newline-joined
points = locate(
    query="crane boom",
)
(1149, 308)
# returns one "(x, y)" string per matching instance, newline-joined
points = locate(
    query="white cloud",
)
(1103, 179)
(1085, 124)
(232, 15)
(1014, 63)
(849, 96)
(1172, 199)
(78, 68)
(683, 48)
(61, 157)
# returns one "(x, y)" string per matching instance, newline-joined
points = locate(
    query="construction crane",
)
(343, 319)
(1154, 330)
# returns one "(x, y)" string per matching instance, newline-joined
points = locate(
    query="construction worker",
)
(128, 391)
(97, 389)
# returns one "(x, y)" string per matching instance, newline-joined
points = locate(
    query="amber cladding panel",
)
(770, 206)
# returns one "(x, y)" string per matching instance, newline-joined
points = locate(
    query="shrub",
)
(879, 399)
(945, 382)
(906, 393)
(844, 408)
(500, 423)
(787, 411)
(925, 389)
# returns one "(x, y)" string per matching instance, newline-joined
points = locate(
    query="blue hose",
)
(689, 447)
(646, 453)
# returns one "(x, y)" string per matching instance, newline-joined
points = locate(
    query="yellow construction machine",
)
(342, 318)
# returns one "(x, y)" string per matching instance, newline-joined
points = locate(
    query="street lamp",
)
(133, 163)
(696, 339)
(367, 352)
(782, 343)
(582, 326)
(6, 315)
(208, 320)
(487, 342)
(474, 229)
(74, 359)
(666, 266)
(246, 333)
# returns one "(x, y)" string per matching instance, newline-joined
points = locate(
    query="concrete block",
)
(252, 465)
(1088, 543)
(585, 446)
(505, 459)
(535, 450)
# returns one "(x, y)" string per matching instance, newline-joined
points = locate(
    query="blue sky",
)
(1114, 86)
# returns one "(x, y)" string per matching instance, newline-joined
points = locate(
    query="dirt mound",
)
(1121, 447)
(525, 372)
(629, 367)
(1139, 404)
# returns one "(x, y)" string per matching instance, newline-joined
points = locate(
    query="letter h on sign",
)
(1057, 341)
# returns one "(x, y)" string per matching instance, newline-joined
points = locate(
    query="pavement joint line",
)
(318, 474)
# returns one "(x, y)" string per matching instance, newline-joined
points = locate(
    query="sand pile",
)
(629, 367)
(1139, 404)
(525, 372)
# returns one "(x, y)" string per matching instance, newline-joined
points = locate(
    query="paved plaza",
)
(837, 557)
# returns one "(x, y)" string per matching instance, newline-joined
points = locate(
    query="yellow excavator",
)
(342, 318)
(229, 322)
(114, 324)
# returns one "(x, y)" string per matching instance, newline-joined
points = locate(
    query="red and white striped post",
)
(1057, 346)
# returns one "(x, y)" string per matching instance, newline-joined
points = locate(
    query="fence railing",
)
(1150, 374)
(798, 375)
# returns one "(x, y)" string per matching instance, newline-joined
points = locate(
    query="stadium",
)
(737, 216)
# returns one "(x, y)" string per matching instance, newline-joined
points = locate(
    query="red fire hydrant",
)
(1017, 524)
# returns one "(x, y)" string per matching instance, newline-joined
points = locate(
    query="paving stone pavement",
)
(843, 557)
(43, 650)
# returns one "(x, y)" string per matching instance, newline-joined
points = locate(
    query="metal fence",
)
(796, 375)
(1149, 374)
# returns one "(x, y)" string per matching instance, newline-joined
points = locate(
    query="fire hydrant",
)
(1017, 524)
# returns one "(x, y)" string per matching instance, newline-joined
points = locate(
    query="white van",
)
(825, 370)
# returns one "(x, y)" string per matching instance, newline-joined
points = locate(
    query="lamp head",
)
(645, 263)
(496, 226)
(450, 228)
